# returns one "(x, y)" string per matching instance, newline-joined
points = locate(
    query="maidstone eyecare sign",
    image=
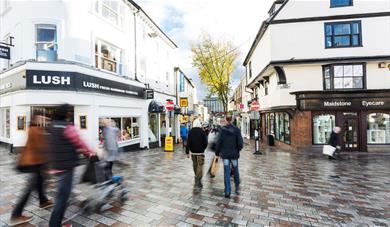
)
(347, 104)
(73, 81)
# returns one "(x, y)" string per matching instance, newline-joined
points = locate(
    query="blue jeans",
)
(64, 189)
(226, 167)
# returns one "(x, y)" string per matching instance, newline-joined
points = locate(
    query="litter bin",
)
(271, 141)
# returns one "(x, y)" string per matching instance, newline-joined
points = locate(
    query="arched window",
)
(378, 128)
(323, 125)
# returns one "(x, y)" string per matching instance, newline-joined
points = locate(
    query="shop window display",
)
(128, 126)
(378, 131)
(323, 125)
(5, 130)
(287, 138)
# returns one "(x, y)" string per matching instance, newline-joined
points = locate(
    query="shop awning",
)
(155, 107)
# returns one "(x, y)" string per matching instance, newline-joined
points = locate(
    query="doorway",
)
(350, 132)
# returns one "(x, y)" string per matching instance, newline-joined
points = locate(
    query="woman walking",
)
(33, 159)
(196, 144)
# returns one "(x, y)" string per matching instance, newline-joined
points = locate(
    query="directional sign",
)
(170, 105)
(255, 106)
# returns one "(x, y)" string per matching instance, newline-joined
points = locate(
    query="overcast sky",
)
(185, 20)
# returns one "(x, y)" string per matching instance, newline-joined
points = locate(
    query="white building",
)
(317, 64)
(241, 108)
(99, 56)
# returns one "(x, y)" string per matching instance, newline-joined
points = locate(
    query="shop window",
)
(378, 131)
(277, 127)
(108, 57)
(287, 137)
(272, 124)
(343, 34)
(153, 128)
(128, 126)
(343, 77)
(46, 42)
(323, 125)
(5, 127)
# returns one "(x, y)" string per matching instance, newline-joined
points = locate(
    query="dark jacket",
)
(197, 141)
(229, 143)
(63, 152)
(334, 139)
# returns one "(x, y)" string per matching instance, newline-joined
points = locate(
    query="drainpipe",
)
(135, 46)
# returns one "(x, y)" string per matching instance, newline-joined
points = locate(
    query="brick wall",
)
(301, 130)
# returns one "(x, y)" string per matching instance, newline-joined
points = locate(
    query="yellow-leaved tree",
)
(215, 61)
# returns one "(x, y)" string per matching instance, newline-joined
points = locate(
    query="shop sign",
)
(354, 104)
(5, 52)
(169, 143)
(241, 106)
(58, 80)
(183, 102)
(184, 119)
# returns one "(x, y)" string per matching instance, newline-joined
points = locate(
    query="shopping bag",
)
(94, 172)
(328, 150)
(214, 166)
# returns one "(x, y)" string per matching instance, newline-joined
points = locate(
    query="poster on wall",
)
(21, 124)
(83, 122)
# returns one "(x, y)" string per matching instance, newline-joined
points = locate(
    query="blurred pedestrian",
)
(111, 135)
(229, 145)
(334, 141)
(33, 160)
(196, 144)
(65, 139)
(184, 134)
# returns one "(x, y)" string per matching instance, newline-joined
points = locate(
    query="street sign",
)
(255, 106)
(170, 105)
(183, 102)
(241, 106)
(5, 52)
(169, 143)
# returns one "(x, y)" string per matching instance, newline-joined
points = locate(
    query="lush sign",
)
(5, 52)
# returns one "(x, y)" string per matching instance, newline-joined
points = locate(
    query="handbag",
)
(94, 172)
(214, 167)
(328, 150)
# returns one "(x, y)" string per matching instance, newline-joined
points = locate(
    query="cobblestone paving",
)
(278, 189)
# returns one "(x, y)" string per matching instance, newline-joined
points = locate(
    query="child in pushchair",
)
(107, 188)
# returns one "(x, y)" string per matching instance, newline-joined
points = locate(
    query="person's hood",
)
(228, 129)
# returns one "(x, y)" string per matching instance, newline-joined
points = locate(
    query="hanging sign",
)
(5, 52)
(183, 102)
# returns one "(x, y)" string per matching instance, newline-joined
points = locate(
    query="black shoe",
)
(227, 196)
(238, 190)
(331, 158)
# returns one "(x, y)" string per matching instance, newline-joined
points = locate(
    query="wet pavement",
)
(277, 189)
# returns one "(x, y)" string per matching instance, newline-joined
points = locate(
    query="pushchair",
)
(107, 189)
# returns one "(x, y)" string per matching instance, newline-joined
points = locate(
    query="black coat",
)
(63, 153)
(197, 141)
(229, 143)
(333, 139)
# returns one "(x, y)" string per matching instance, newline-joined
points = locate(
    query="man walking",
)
(228, 146)
(197, 143)
(184, 135)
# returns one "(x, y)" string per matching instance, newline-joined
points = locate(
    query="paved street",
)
(278, 189)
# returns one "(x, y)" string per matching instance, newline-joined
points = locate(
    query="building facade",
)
(102, 63)
(243, 117)
(333, 70)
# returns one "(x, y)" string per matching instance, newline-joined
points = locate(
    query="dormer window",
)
(340, 3)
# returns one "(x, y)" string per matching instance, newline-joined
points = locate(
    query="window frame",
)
(331, 66)
(36, 42)
(119, 55)
(359, 22)
(250, 69)
(337, 6)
